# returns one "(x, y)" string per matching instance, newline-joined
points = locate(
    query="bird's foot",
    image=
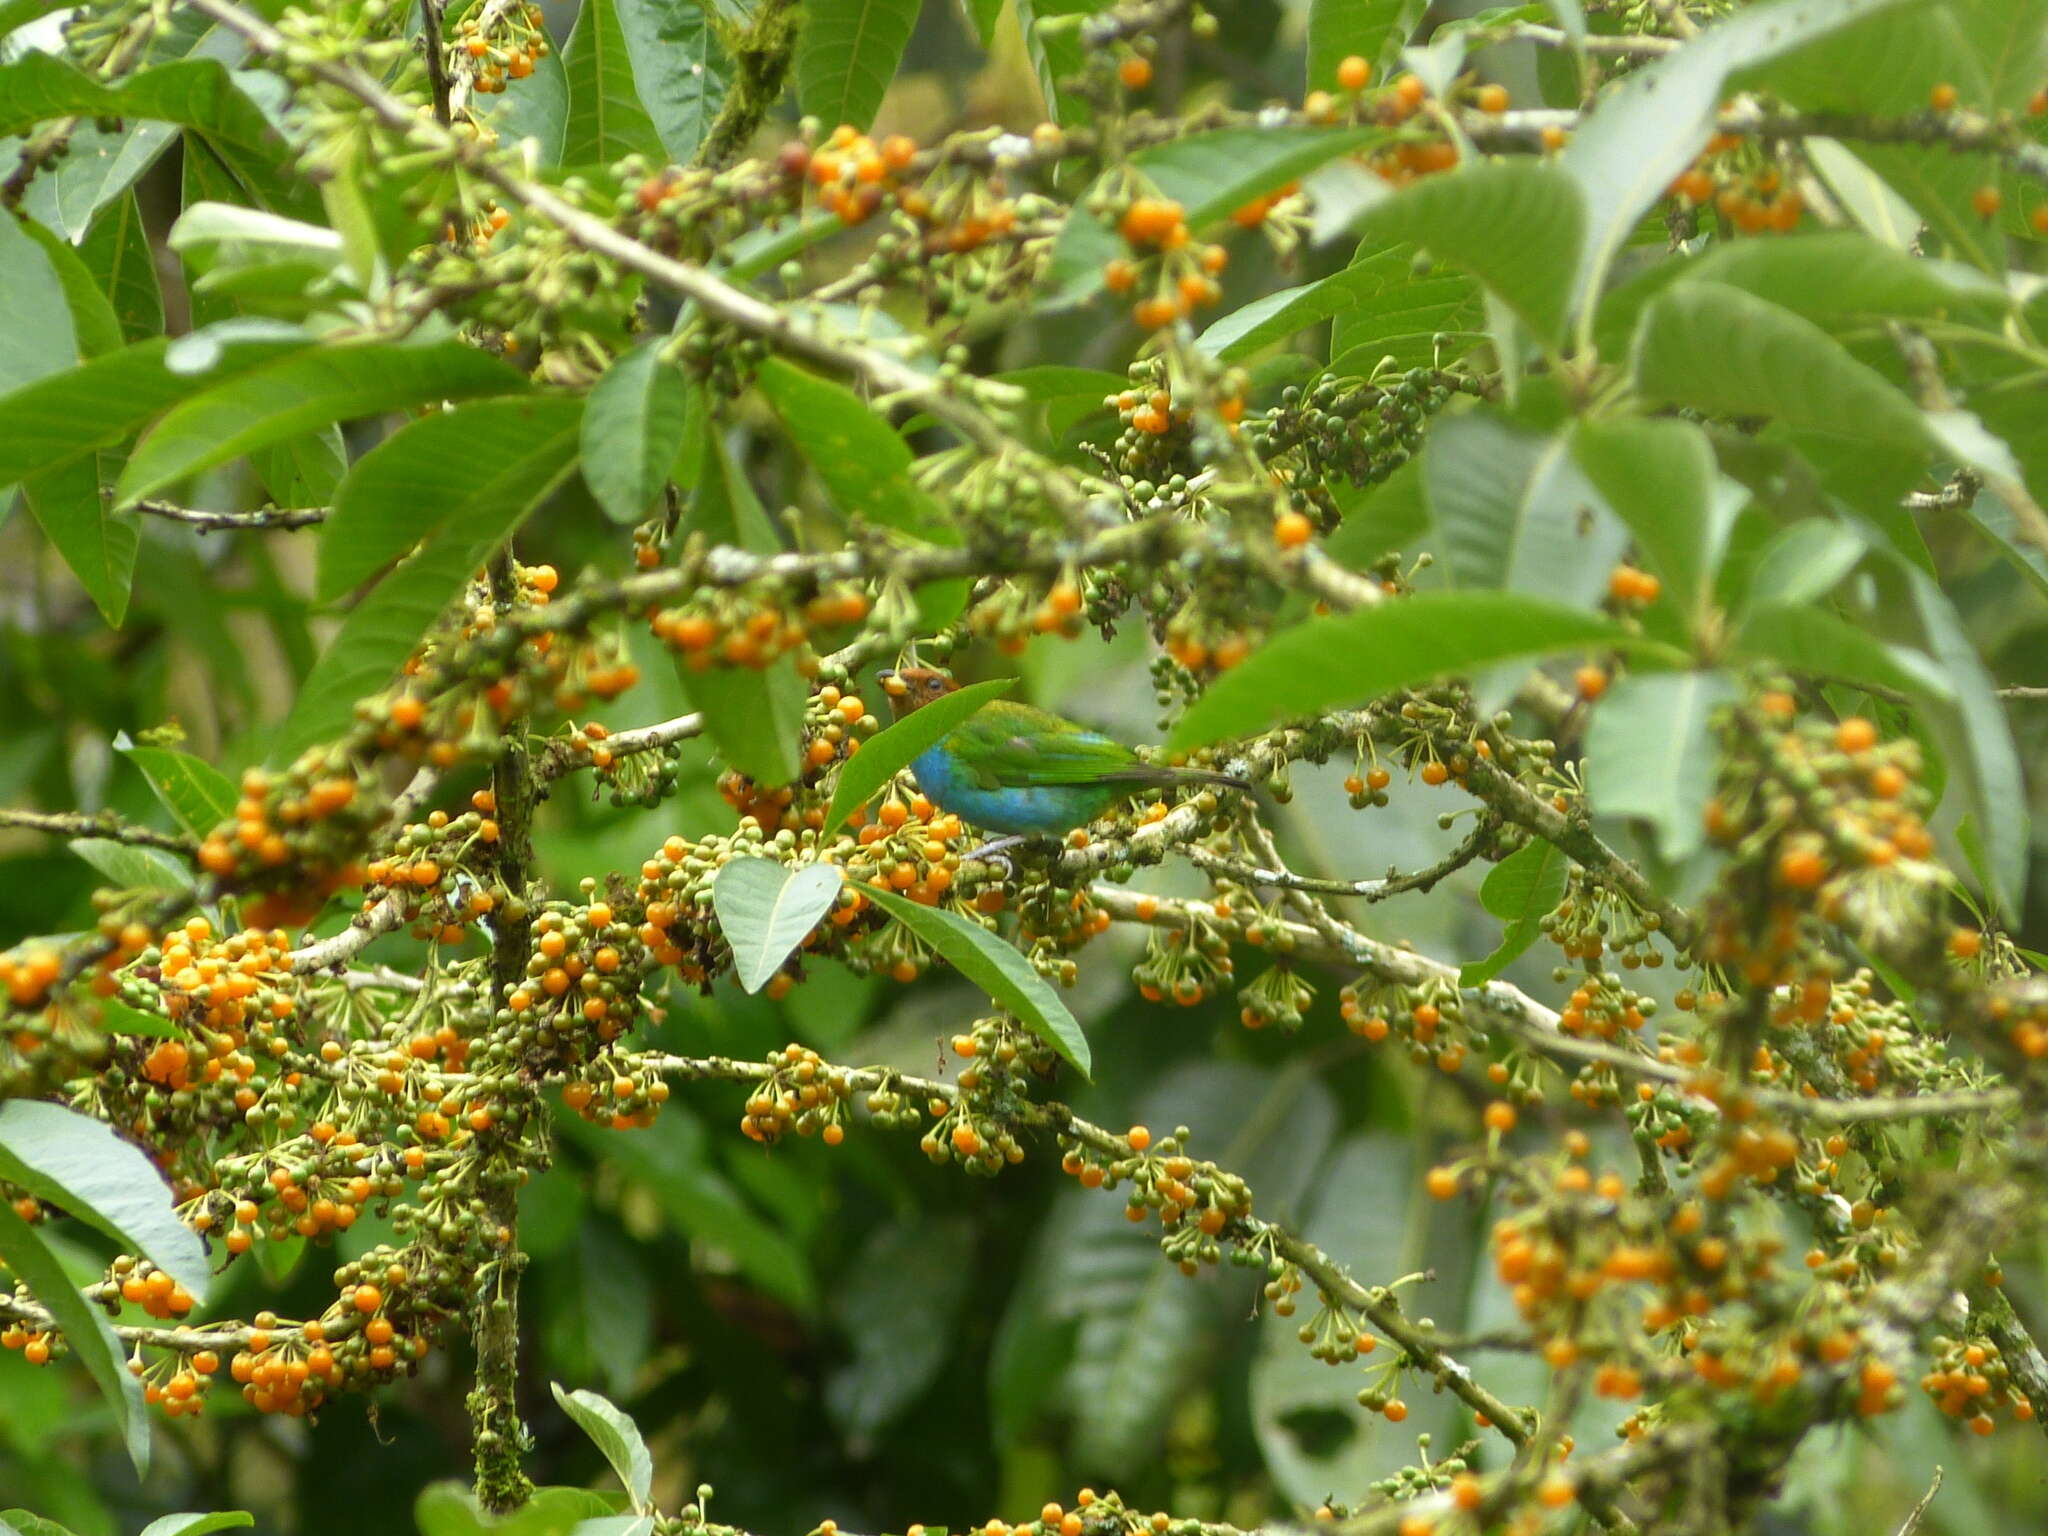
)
(996, 852)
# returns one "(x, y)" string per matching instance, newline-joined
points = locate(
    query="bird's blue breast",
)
(1047, 808)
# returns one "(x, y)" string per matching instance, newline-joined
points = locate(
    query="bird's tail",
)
(1159, 774)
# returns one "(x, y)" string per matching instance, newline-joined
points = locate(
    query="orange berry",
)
(1139, 1137)
(1942, 98)
(1135, 72)
(1291, 530)
(1590, 682)
(1987, 201)
(1855, 734)
(1353, 73)
(1493, 98)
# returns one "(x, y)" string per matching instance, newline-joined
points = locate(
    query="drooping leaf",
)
(766, 909)
(633, 428)
(77, 1162)
(1518, 890)
(848, 55)
(679, 71)
(300, 393)
(607, 120)
(477, 513)
(1650, 753)
(1360, 656)
(1424, 321)
(1820, 644)
(199, 1524)
(995, 967)
(129, 867)
(889, 751)
(33, 315)
(97, 543)
(535, 108)
(117, 1018)
(754, 715)
(615, 1434)
(192, 789)
(117, 250)
(1513, 509)
(93, 321)
(1660, 479)
(866, 466)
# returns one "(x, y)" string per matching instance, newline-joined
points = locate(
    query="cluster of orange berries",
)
(585, 973)
(1187, 964)
(1986, 200)
(304, 1202)
(1195, 1201)
(1186, 280)
(1014, 613)
(802, 1092)
(1430, 1017)
(996, 1049)
(624, 1102)
(27, 974)
(519, 43)
(152, 1289)
(1204, 645)
(741, 629)
(297, 822)
(1970, 1380)
(852, 173)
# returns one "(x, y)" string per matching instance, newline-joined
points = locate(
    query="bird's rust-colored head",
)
(911, 688)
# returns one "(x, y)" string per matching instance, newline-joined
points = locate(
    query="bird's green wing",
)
(1006, 745)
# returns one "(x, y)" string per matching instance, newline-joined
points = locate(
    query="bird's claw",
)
(997, 852)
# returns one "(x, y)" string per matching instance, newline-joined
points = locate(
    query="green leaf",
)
(1992, 517)
(885, 754)
(133, 868)
(754, 716)
(866, 466)
(995, 967)
(117, 1018)
(85, 1327)
(1459, 217)
(766, 909)
(1647, 129)
(33, 314)
(633, 429)
(1724, 351)
(1803, 563)
(1375, 30)
(1400, 316)
(679, 72)
(1839, 275)
(198, 1525)
(1360, 656)
(535, 108)
(1513, 509)
(1661, 481)
(607, 121)
(1518, 890)
(117, 251)
(847, 56)
(617, 1436)
(1209, 175)
(471, 513)
(1650, 753)
(93, 320)
(451, 1509)
(194, 93)
(79, 1163)
(433, 474)
(297, 394)
(192, 789)
(98, 544)
(1819, 644)
(898, 1301)
(211, 236)
(1391, 515)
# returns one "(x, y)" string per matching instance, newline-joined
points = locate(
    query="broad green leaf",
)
(85, 1326)
(1837, 275)
(199, 1525)
(451, 1509)
(754, 716)
(1817, 643)
(847, 56)
(213, 235)
(679, 71)
(431, 474)
(1650, 753)
(133, 868)
(885, 754)
(19, 1522)
(995, 967)
(1513, 509)
(1416, 321)
(476, 512)
(98, 167)
(766, 909)
(615, 1434)
(194, 93)
(93, 321)
(97, 543)
(301, 393)
(1519, 890)
(1209, 175)
(1989, 514)
(1647, 129)
(1726, 352)
(1364, 655)
(1802, 564)
(606, 119)
(633, 429)
(33, 314)
(117, 251)
(2009, 44)
(76, 1162)
(192, 789)
(866, 466)
(1661, 481)
(535, 108)
(1375, 30)
(1459, 217)
(1394, 514)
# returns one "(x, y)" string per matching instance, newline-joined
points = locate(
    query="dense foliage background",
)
(1634, 364)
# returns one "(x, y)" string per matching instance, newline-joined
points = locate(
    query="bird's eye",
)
(934, 684)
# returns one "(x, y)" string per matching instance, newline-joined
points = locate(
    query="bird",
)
(1011, 769)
